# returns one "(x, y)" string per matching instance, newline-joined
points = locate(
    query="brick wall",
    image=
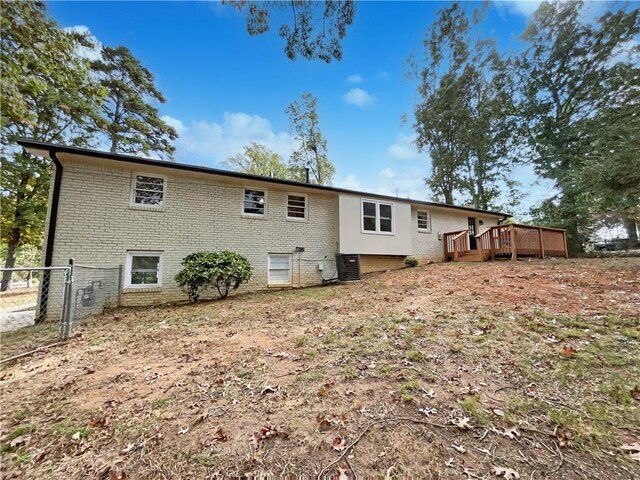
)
(97, 226)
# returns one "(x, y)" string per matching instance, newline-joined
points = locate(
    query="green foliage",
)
(225, 271)
(259, 160)
(315, 31)
(48, 95)
(312, 146)
(461, 118)
(573, 84)
(411, 262)
(131, 121)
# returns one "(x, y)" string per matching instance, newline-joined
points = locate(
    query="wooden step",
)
(469, 257)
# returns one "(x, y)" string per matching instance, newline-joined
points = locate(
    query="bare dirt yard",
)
(499, 370)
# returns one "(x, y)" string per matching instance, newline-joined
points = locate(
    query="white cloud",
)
(90, 53)
(211, 143)
(404, 148)
(402, 183)
(359, 97)
(521, 7)
(355, 78)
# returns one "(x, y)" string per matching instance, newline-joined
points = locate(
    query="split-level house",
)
(109, 209)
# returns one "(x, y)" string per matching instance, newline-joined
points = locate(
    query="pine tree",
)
(132, 122)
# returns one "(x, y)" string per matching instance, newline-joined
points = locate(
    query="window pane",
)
(385, 211)
(279, 276)
(385, 225)
(144, 263)
(148, 198)
(369, 224)
(254, 202)
(279, 261)
(423, 221)
(296, 206)
(144, 278)
(369, 209)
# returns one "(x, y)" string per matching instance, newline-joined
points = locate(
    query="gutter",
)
(118, 157)
(51, 235)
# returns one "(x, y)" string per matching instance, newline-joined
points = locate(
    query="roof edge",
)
(52, 148)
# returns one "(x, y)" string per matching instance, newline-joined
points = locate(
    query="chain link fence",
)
(42, 304)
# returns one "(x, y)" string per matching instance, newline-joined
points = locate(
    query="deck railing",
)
(508, 241)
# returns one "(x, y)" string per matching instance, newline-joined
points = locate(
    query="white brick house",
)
(108, 209)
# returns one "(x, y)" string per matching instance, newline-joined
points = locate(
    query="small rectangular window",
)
(297, 207)
(279, 269)
(424, 222)
(377, 217)
(385, 217)
(369, 216)
(148, 191)
(143, 269)
(254, 202)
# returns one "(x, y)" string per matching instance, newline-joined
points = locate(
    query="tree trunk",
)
(631, 226)
(12, 253)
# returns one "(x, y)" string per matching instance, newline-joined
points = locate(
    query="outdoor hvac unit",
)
(348, 267)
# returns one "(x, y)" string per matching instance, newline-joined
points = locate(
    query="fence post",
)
(120, 279)
(512, 236)
(68, 296)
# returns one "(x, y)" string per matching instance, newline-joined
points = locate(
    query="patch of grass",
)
(23, 456)
(385, 369)
(311, 354)
(309, 377)
(408, 388)
(415, 356)
(349, 372)
(632, 333)
(160, 402)
(618, 390)
(67, 428)
(473, 408)
(21, 414)
(19, 431)
(456, 347)
(301, 341)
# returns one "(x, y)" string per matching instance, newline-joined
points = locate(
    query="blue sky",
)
(225, 88)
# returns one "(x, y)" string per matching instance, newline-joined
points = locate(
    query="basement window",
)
(279, 269)
(147, 190)
(377, 217)
(255, 202)
(143, 270)
(424, 222)
(297, 207)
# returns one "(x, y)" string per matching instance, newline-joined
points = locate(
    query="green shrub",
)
(411, 262)
(225, 271)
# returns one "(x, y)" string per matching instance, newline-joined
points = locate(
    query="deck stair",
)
(507, 242)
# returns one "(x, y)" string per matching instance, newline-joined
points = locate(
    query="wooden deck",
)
(506, 241)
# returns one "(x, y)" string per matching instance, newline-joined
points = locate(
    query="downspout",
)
(51, 235)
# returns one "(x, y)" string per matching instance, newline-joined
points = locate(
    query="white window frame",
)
(306, 207)
(377, 231)
(428, 214)
(288, 282)
(254, 215)
(132, 199)
(129, 264)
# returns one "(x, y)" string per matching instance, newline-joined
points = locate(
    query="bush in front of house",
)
(225, 271)
(411, 262)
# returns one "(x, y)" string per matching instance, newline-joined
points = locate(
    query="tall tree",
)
(132, 121)
(460, 119)
(314, 31)
(47, 95)
(312, 146)
(257, 159)
(563, 80)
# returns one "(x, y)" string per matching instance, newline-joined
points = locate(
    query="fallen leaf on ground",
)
(569, 351)
(463, 424)
(449, 463)
(269, 389)
(267, 432)
(338, 443)
(459, 448)
(507, 473)
(220, 435)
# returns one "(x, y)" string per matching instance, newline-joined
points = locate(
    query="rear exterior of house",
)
(108, 210)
